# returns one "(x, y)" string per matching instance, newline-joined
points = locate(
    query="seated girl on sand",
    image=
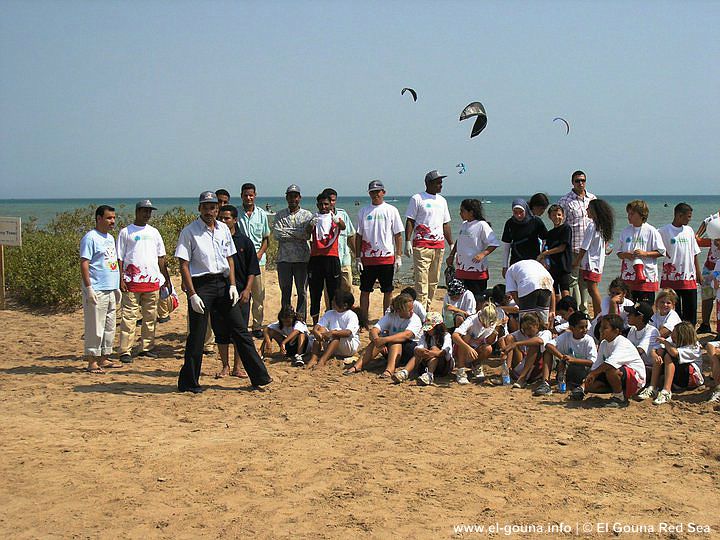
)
(290, 333)
(473, 341)
(433, 353)
(336, 333)
(394, 337)
(524, 350)
(665, 317)
(458, 304)
(681, 365)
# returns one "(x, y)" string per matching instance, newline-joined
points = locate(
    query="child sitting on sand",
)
(290, 333)
(473, 341)
(433, 353)
(418, 308)
(713, 350)
(618, 368)
(665, 318)
(576, 352)
(681, 365)
(525, 349)
(642, 334)
(394, 337)
(458, 304)
(336, 334)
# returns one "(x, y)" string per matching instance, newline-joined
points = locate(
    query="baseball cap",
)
(208, 197)
(641, 308)
(434, 175)
(145, 203)
(376, 185)
(432, 319)
(293, 188)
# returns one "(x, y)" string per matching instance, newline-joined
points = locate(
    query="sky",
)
(169, 98)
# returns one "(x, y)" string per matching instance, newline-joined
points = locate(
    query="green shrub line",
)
(45, 270)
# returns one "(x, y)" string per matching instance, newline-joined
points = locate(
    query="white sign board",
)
(10, 231)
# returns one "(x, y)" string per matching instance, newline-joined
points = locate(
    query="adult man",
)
(223, 196)
(253, 223)
(346, 243)
(531, 286)
(428, 218)
(247, 270)
(290, 230)
(377, 247)
(205, 249)
(100, 283)
(141, 257)
(575, 204)
(682, 271)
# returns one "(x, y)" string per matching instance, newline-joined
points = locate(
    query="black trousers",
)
(323, 272)
(225, 319)
(687, 304)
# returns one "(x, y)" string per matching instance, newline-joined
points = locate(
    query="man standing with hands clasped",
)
(205, 249)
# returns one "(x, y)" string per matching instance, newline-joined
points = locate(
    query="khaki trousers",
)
(258, 300)
(162, 309)
(134, 306)
(426, 273)
(99, 323)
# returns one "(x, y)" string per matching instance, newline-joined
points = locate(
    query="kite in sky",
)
(460, 167)
(567, 126)
(475, 109)
(413, 92)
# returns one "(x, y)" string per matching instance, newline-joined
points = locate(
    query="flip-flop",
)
(385, 375)
(111, 365)
(352, 370)
(97, 370)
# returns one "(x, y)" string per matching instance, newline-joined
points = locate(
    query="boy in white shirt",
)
(458, 304)
(524, 349)
(336, 334)
(618, 368)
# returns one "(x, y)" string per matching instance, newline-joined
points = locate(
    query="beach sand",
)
(319, 455)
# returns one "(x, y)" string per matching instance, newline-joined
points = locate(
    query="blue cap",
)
(208, 197)
(376, 185)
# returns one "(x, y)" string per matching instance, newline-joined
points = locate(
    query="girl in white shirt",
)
(290, 333)
(336, 334)
(473, 341)
(458, 304)
(433, 353)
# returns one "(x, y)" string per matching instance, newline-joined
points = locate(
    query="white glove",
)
(197, 304)
(314, 221)
(408, 248)
(359, 266)
(91, 296)
(335, 218)
(398, 262)
(234, 295)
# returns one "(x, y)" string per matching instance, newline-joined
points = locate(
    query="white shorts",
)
(346, 347)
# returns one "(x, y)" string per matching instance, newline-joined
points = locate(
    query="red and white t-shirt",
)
(714, 252)
(474, 236)
(647, 238)
(681, 248)
(139, 249)
(377, 227)
(430, 213)
(324, 239)
(594, 245)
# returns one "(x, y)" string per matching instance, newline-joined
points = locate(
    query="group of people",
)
(536, 323)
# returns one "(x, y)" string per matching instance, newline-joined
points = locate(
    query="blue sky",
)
(168, 98)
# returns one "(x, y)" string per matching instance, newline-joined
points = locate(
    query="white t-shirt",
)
(647, 238)
(139, 249)
(347, 320)
(474, 237)
(645, 339)
(466, 302)
(429, 212)
(392, 323)
(545, 335)
(527, 276)
(716, 280)
(577, 348)
(668, 321)
(621, 352)
(473, 327)
(678, 270)
(299, 326)
(377, 226)
(426, 339)
(594, 245)
(713, 253)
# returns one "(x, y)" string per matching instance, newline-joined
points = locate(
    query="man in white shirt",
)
(531, 286)
(205, 249)
(575, 204)
(143, 270)
(427, 228)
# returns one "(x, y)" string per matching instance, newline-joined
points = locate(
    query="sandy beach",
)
(319, 455)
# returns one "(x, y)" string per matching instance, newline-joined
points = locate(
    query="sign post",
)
(10, 235)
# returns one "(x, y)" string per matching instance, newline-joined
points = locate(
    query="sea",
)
(497, 210)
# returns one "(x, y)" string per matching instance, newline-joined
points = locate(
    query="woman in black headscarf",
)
(521, 235)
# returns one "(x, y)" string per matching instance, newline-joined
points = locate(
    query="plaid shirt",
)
(576, 215)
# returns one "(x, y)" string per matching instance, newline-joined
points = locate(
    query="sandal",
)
(110, 365)
(352, 370)
(385, 375)
(94, 370)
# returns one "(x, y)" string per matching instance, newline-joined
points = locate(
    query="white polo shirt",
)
(206, 249)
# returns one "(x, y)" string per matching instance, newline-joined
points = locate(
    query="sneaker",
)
(577, 394)
(148, 354)
(257, 334)
(704, 328)
(663, 397)
(298, 361)
(460, 376)
(543, 390)
(427, 378)
(163, 320)
(519, 384)
(479, 372)
(400, 376)
(126, 359)
(715, 396)
(648, 392)
(615, 403)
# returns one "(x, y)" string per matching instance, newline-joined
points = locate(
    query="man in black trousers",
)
(206, 252)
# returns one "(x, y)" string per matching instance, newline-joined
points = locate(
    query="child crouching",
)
(432, 354)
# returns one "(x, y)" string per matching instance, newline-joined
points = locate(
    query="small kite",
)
(567, 126)
(413, 92)
(475, 109)
(460, 167)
